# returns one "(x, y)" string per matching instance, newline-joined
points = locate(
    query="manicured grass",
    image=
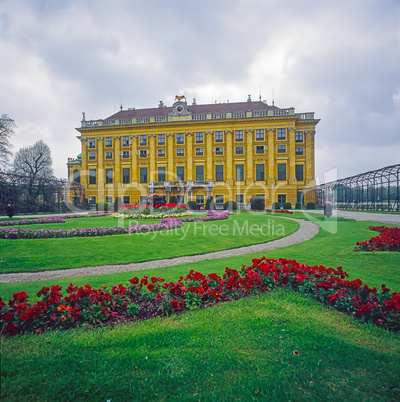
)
(193, 238)
(276, 346)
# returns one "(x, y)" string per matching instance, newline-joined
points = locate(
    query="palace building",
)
(231, 151)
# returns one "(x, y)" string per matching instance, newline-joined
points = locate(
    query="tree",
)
(7, 127)
(35, 162)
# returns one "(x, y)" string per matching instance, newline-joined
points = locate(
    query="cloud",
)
(340, 60)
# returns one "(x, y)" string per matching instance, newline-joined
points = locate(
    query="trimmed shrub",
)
(192, 205)
(117, 203)
(310, 205)
(230, 205)
(103, 206)
(210, 203)
(173, 200)
(276, 205)
(257, 204)
(287, 205)
(298, 205)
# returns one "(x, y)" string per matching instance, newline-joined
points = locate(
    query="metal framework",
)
(374, 190)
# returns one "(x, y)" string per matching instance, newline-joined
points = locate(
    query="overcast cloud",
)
(339, 59)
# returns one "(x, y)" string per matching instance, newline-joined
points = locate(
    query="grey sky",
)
(338, 59)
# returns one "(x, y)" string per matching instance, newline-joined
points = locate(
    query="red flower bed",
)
(388, 240)
(282, 211)
(149, 297)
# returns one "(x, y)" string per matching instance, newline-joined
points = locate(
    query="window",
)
(219, 151)
(92, 200)
(299, 151)
(76, 176)
(259, 135)
(239, 135)
(92, 176)
(143, 153)
(179, 138)
(109, 199)
(109, 176)
(142, 140)
(219, 137)
(281, 133)
(108, 142)
(200, 199)
(161, 173)
(281, 171)
(180, 199)
(281, 149)
(92, 156)
(240, 198)
(143, 175)
(125, 141)
(199, 173)
(281, 198)
(108, 155)
(161, 153)
(180, 173)
(125, 154)
(219, 199)
(260, 176)
(299, 136)
(239, 150)
(300, 197)
(126, 176)
(199, 138)
(180, 152)
(143, 199)
(126, 200)
(161, 139)
(239, 172)
(199, 151)
(219, 172)
(299, 172)
(259, 149)
(92, 142)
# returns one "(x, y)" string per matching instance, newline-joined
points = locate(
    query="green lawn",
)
(275, 346)
(193, 238)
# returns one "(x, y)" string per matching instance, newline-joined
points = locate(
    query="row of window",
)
(199, 152)
(180, 138)
(180, 173)
(200, 198)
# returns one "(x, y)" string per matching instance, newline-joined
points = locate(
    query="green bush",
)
(298, 205)
(210, 205)
(257, 204)
(103, 206)
(192, 205)
(310, 205)
(230, 205)
(276, 205)
(287, 205)
(173, 200)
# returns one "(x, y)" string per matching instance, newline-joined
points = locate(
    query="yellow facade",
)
(232, 151)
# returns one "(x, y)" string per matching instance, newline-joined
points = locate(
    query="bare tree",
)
(7, 127)
(35, 162)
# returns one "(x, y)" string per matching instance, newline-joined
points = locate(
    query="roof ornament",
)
(194, 101)
(249, 98)
(179, 98)
(83, 116)
(161, 104)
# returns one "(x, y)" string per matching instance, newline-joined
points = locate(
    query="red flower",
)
(153, 279)
(150, 287)
(43, 291)
(216, 294)
(2, 304)
(11, 329)
(174, 304)
(134, 281)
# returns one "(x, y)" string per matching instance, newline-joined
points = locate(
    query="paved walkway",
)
(306, 231)
(393, 219)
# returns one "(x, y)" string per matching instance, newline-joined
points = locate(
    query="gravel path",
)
(306, 231)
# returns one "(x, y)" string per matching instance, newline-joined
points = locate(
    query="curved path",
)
(306, 231)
